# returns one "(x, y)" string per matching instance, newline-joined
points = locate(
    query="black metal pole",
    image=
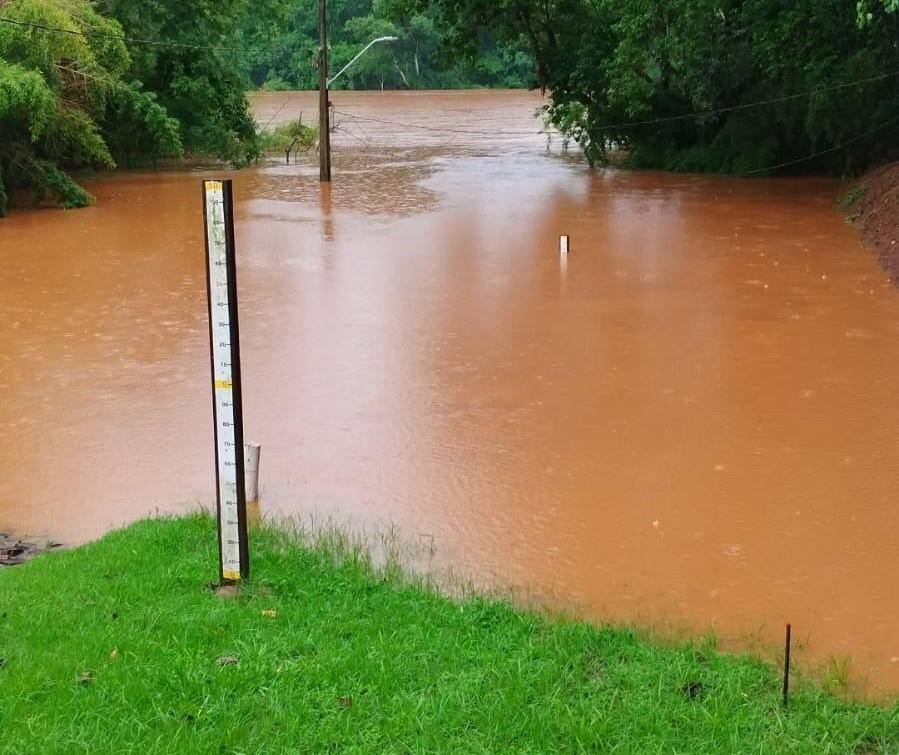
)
(324, 125)
(787, 668)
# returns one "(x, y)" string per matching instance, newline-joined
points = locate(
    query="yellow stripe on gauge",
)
(214, 185)
(228, 574)
(224, 384)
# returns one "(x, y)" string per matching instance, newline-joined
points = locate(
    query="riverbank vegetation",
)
(67, 102)
(742, 86)
(122, 646)
(292, 135)
(283, 39)
(94, 85)
(118, 82)
(739, 86)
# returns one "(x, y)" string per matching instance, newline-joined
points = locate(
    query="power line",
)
(121, 38)
(440, 129)
(187, 46)
(277, 113)
(663, 119)
(607, 127)
(823, 151)
(765, 169)
(757, 103)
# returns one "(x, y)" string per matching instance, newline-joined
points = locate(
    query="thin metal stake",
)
(787, 669)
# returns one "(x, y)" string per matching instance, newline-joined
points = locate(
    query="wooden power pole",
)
(324, 124)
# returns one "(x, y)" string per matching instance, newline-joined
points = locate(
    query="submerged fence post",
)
(224, 346)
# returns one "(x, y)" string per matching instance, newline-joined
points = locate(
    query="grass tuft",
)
(848, 200)
(120, 646)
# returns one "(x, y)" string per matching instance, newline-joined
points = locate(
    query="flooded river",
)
(694, 423)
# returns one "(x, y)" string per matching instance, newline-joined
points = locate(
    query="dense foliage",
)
(610, 64)
(65, 101)
(92, 85)
(198, 73)
(283, 37)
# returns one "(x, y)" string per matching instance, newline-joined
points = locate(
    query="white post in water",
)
(224, 343)
(251, 453)
(563, 246)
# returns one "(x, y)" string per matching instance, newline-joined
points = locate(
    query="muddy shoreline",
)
(15, 551)
(872, 205)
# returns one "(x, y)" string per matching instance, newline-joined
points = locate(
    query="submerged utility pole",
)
(324, 125)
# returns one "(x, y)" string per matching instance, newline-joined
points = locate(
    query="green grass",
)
(115, 647)
(848, 199)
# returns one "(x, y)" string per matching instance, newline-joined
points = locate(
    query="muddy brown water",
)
(693, 424)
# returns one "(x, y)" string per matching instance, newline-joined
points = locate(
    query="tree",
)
(421, 43)
(866, 15)
(377, 66)
(286, 55)
(676, 83)
(194, 65)
(60, 94)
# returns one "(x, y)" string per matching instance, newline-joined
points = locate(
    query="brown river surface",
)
(693, 424)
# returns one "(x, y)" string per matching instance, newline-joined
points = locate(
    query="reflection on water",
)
(694, 423)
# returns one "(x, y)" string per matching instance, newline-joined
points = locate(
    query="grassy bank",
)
(120, 646)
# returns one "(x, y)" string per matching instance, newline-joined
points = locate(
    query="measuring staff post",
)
(224, 349)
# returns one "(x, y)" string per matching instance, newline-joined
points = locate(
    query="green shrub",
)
(285, 135)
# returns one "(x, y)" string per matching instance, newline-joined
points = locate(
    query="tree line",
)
(283, 39)
(735, 86)
(739, 86)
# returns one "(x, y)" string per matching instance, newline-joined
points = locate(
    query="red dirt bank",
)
(876, 213)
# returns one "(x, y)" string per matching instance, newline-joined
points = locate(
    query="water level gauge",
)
(221, 281)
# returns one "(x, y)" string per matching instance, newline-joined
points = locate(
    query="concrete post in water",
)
(251, 453)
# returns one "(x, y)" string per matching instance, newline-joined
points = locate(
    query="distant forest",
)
(281, 37)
